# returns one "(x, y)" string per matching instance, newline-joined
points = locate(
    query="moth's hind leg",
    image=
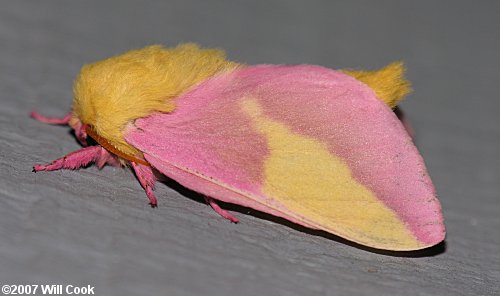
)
(219, 210)
(147, 179)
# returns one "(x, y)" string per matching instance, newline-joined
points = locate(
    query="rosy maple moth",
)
(319, 147)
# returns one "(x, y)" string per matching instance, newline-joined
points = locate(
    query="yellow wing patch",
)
(304, 176)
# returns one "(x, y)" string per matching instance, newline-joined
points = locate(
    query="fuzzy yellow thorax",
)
(111, 93)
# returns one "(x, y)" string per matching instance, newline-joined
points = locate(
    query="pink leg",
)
(72, 161)
(147, 179)
(220, 211)
(51, 120)
(79, 158)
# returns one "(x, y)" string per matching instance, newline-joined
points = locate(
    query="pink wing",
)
(305, 143)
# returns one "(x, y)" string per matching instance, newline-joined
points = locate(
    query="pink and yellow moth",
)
(315, 146)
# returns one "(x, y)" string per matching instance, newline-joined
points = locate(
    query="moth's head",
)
(109, 94)
(102, 105)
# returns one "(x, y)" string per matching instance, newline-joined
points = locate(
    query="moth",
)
(319, 147)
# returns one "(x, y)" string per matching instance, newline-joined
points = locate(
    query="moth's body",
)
(119, 100)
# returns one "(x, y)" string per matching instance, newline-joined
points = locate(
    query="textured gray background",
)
(95, 227)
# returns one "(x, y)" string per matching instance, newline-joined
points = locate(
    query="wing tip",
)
(432, 239)
(424, 248)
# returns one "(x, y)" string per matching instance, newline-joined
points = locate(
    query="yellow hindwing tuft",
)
(388, 83)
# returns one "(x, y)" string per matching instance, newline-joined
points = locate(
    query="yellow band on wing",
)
(318, 186)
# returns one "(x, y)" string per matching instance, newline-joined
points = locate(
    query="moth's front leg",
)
(68, 119)
(78, 159)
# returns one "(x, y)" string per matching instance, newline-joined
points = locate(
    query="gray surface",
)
(95, 227)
